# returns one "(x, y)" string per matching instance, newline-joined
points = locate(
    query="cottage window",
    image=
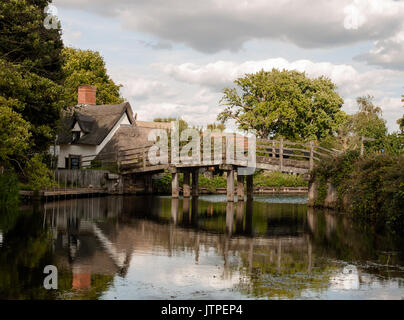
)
(76, 136)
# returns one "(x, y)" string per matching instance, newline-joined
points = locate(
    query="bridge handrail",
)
(278, 149)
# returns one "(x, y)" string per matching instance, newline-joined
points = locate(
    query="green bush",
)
(372, 185)
(39, 176)
(9, 191)
(278, 179)
(163, 185)
(261, 179)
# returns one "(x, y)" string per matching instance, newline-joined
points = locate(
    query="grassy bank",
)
(369, 188)
(261, 179)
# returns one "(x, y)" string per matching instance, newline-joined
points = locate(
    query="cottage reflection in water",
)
(158, 247)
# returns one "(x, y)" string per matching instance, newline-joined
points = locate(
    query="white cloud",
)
(388, 52)
(213, 77)
(141, 89)
(220, 74)
(213, 25)
(196, 115)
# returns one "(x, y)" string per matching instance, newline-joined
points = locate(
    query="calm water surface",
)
(157, 248)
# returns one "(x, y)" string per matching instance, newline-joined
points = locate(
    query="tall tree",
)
(368, 122)
(37, 99)
(24, 40)
(216, 126)
(88, 67)
(401, 120)
(284, 103)
(30, 69)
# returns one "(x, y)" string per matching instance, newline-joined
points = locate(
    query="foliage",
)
(284, 103)
(216, 126)
(369, 123)
(378, 185)
(370, 188)
(211, 184)
(261, 179)
(163, 185)
(25, 41)
(38, 100)
(83, 67)
(9, 189)
(400, 121)
(279, 179)
(14, 133)
(394, 143)
(182, 124)
(31, 95)
(27, 249)
(38, 174)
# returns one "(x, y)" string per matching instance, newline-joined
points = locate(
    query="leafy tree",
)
(83, 67)
(368, 122)
(394, 143)
(31, 96)
(284, 103)
(14, 132)
(38, 100)
(39, 175)
(401, 120)
(25, 41)
(216, 126)
(182, 123)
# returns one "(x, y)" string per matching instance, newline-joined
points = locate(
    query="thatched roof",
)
(95, 121)
(127, 137)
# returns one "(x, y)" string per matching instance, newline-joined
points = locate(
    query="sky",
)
(174, 57)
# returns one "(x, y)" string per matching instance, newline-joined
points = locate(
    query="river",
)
(144, 247)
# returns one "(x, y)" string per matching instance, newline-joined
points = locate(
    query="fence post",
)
(273, 149)
(224, 150)
(281, 155)
(311, 155)
(362, 147)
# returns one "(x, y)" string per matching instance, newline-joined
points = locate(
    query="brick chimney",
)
(87, 95)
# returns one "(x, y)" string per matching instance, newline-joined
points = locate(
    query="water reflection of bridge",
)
(100, 235)
(108, 236)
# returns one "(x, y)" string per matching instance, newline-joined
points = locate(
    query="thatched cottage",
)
(89, 130)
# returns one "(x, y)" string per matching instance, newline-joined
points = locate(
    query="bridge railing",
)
(280, 152)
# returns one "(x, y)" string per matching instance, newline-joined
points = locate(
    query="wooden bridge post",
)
(186, 189)
(144, 159)
(148, 182)
(311, 155)
(240, 187)
(195, 182)
(175, 185)
(230, 185)
(250, 187)
(281, 155)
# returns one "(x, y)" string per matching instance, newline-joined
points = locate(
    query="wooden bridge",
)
(271, 155)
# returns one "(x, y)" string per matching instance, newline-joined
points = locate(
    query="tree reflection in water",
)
(139, 247)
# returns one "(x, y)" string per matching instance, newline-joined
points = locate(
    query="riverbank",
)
(370, 188)
(27, 195)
